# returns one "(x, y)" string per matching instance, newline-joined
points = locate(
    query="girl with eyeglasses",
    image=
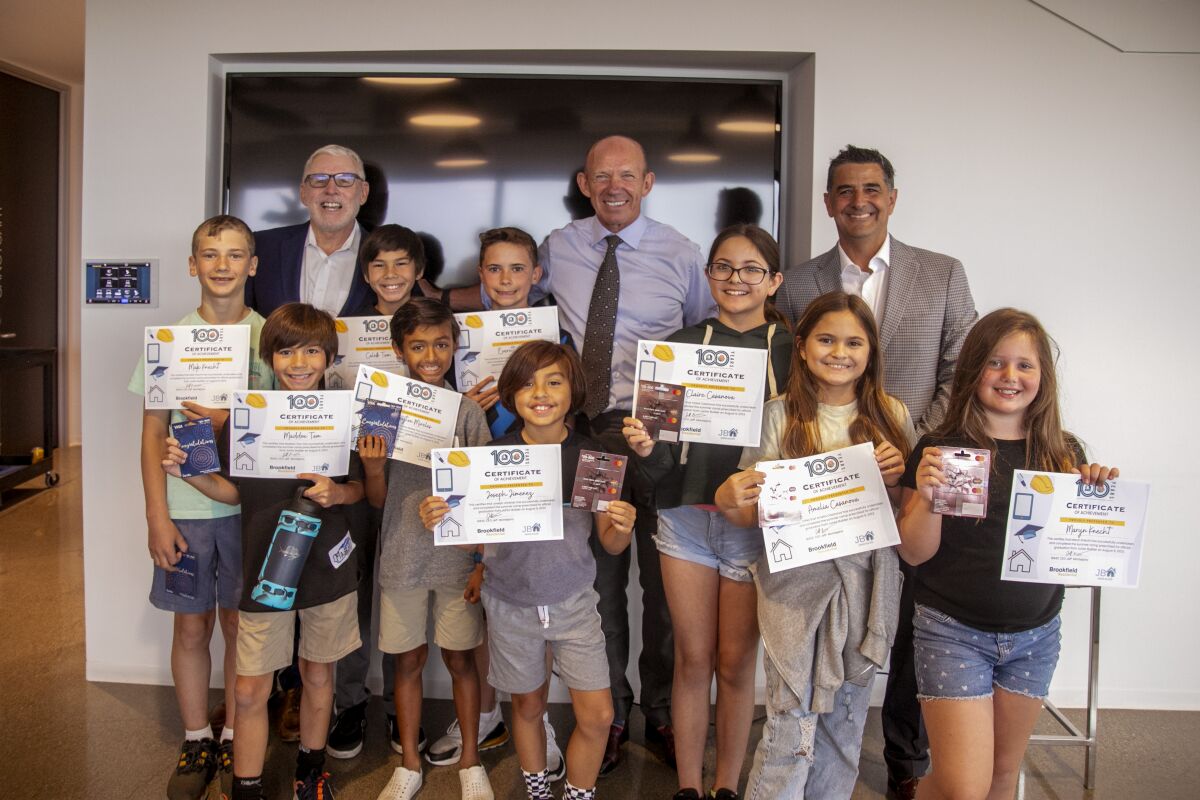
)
(705, 559)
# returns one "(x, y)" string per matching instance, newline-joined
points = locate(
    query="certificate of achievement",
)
(723, 401)
(428, 414)
(508, 493)
(362, 340)
(200, 363)
(487, 338)
(278, 434)
(1061, 530)
(823, 507)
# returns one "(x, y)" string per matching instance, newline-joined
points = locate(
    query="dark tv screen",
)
(510, 157)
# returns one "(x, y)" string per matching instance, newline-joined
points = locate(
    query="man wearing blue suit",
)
(924, 309)
(316, 261)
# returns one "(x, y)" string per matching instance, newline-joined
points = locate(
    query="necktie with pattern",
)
(601, 325)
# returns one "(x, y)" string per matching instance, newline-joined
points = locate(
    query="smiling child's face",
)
(428, 352)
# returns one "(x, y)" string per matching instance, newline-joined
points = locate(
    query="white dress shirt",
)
(325, 279)
(870, 285)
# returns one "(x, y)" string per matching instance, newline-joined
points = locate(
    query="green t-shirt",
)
(184, 502)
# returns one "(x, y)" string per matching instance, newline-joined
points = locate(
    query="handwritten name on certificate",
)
(723, 401)
(280, 433)
(487, 338)
(428, 414)
(362, 340)
(200, 363)
(824, 507)
(509, 493)
(1061, 530)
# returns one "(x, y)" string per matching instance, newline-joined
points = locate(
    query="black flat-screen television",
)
(454, 155)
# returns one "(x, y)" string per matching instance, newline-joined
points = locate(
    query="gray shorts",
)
(217, 546)
(517, 637)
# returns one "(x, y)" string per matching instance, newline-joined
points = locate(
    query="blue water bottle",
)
(295, 532)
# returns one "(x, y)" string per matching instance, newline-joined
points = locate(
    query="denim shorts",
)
(217, 546)
(706, 537)
(956, 661)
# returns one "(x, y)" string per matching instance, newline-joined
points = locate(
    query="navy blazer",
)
(280, 254)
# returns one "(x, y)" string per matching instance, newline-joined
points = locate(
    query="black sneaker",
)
(317, 786)
(346, 734)
(195, 770)
(686, 794)
(394, 736)
(723, 794)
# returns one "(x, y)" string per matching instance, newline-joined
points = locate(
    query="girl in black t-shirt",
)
(973, 632)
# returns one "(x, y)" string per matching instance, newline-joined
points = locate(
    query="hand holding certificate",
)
(203, 364)
(362, 340)
(282, 433)
(1062, 530)
(498, 494)
(487, 338)
(722, 392)
(427, 414)
(823, 507)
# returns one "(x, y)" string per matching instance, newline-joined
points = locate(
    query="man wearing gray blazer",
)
(924, 309)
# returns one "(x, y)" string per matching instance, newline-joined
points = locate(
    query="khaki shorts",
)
(457, 624)
(327, 632)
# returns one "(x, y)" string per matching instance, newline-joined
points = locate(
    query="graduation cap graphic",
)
(248, 438)
(338, 359)
(455, 500)
(470, 356)
(158, 372)
(1027, 532)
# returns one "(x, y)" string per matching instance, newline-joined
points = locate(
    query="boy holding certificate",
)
(540, 593)
(415, 576)
(195, 543)
(300, 341)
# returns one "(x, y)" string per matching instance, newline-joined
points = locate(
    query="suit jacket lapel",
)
(902, 275)
(829, 273)
(292, 258)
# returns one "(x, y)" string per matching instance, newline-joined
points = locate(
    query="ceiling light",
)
(461, 154)
(409, 80)
(447, 109)
(749, 113)
(694, 147)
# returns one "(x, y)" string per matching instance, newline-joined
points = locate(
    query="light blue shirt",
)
(663, 287)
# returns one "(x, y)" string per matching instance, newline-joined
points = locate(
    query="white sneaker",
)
(556, 765)
(448, 750)
(475, 783)
(404, 785)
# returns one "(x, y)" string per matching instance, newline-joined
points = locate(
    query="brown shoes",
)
(289, 716)
(903, 790)
(617, 735)
(663, 738)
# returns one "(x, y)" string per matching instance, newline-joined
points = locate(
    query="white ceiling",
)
(1145, 26)
(44, 36)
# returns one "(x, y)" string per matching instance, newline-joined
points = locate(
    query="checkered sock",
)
(537, 784)
(575, 793)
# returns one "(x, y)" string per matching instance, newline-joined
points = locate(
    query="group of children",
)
(825, 628)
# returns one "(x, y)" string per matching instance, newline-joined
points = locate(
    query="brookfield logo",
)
(510, 457)
(823, 466)
(207, 335)
(714, 358)
(304, 402)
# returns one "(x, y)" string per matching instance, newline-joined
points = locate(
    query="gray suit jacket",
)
(926, 315)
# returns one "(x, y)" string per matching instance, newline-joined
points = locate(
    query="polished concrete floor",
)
(62, 738)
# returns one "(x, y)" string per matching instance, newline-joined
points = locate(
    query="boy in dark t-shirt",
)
(298, 341)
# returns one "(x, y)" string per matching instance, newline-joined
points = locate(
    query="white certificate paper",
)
(278, 434)
(509, 493)
(824, 507)
(200, 363)
(1060, 530)
(362, 340)
(723, 402)
(428, 414)
(487, 338)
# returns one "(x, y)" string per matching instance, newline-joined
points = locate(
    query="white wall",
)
(1061, 172)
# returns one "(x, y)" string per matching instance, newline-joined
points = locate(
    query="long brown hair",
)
(875, 421)
(1049, 446)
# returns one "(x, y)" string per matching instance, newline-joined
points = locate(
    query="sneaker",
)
(404, 785)
(686, 794)
(475, 783)
(556, 765)
(225, 768)
(723, 794)
(448, 750)
(346, 735)
(317, 786)
(195, 770)
(394, 737)
(289, 718)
